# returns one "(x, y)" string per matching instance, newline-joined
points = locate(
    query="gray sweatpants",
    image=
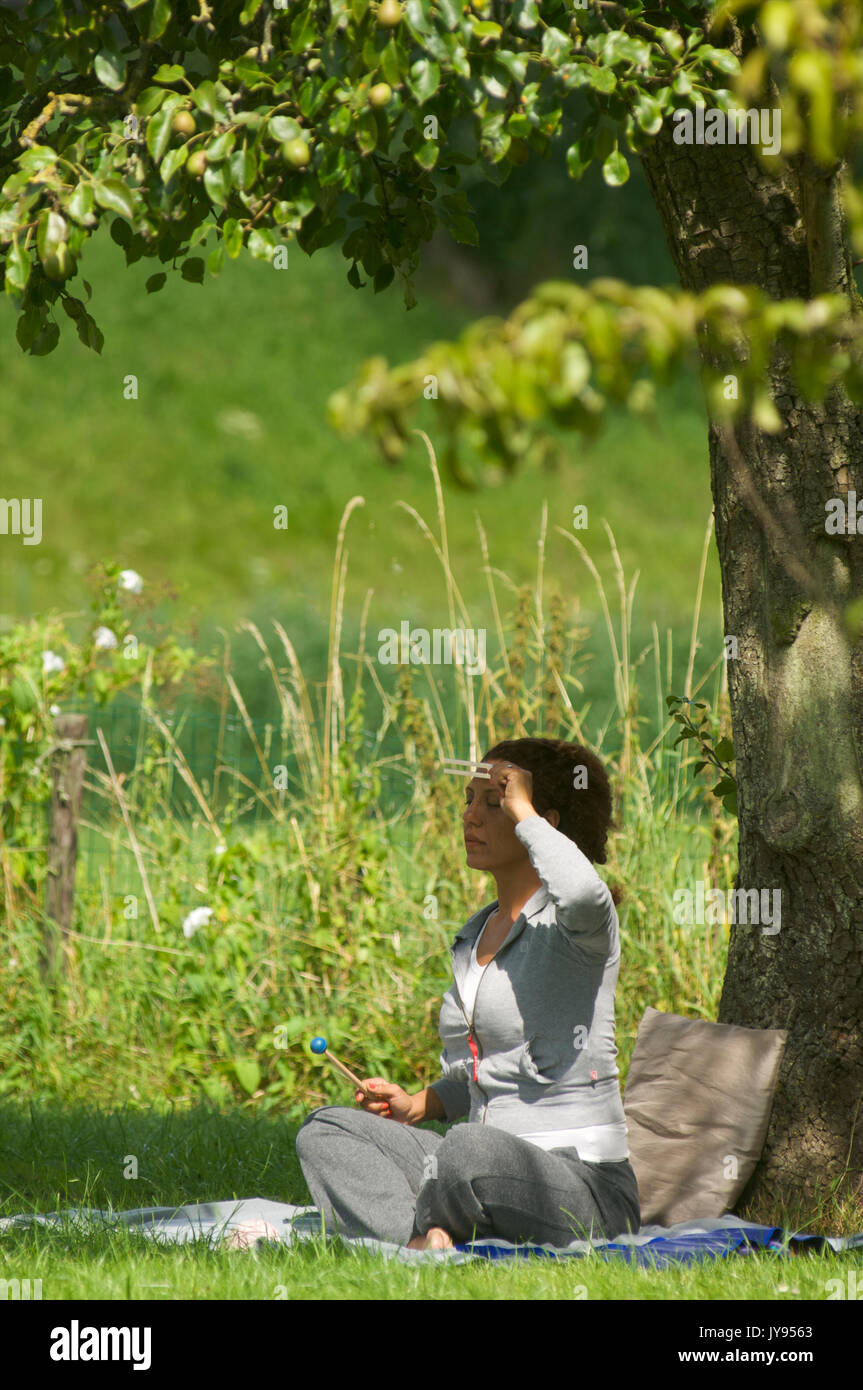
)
(371, 1176)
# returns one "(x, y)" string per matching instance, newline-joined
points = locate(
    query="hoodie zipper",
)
(473, 1042)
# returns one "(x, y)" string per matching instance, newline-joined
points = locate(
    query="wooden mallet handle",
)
(346, 1071)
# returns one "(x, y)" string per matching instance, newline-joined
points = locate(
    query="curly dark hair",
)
(585, 812)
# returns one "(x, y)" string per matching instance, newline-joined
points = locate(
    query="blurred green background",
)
(233, 380)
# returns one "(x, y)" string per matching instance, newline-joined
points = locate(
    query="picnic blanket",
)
(654, 1246)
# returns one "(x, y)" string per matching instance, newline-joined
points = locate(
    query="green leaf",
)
(724, 749)
(601, 79)
(121, 232)
(216, 260)
(648, 114)
(579, 157)
(526, 13)
(282, 128)
(9, 218)
(80, 205)
(671, 41)
(462, 229)
(155, 282)
(110, 68)
(248, 1074)
(221, 147)
(244, 167)
(150, 100)
(51, 232)
(37, 158)
(192, 269)
(393, 62)
(487, 29)
(424, 79)
(724, 786)
(205, 98)
(615, 169)
(159, 19)
(169, 72)
(217, 182)
(366, 128)
(232, 235)
(92, 337)
(26, 330)
(17, 269)
(516, 65)
(46, 340)
(427, 154)
(383, 278)
(173, 161)
(159, 127)
(251, 76)
(449, 12)
(719, 58)
(115, 196)
(303, 30)
(555, 45)
(261, 243)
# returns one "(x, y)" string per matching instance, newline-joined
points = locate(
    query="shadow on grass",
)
(55, 1155)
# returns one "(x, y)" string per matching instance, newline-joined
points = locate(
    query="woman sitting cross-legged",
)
(528, 1033)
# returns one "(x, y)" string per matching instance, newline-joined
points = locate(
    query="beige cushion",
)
(697, 1103)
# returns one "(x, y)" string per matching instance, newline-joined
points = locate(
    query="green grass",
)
(54, 1157)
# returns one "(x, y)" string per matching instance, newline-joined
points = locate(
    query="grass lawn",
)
(51, 1158)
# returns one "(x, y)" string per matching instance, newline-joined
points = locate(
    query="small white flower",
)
(51, 662)
(221, 849)
(104, 639)
(197, 918)
(242, 423)
(131, 581)
(55, 709)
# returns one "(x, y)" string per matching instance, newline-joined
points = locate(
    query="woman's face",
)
(489, 834)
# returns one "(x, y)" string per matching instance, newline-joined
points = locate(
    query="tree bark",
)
(796, 688)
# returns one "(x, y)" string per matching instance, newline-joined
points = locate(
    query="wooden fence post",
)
(69, 761)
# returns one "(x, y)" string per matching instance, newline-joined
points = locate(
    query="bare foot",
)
(242, 1237)
(435, 1238)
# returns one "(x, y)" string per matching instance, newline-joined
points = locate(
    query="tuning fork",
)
(467, 767)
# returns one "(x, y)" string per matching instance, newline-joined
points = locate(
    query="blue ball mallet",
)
(319, 1046)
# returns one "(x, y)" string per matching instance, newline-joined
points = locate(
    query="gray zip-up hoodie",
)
(539, 1053)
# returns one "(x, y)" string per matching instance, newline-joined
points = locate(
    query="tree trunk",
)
(796, 687)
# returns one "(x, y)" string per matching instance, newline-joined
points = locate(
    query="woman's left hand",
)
(515, 785)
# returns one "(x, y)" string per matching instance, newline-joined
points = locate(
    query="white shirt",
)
(595, 1143)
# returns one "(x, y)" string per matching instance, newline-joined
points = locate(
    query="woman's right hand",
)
(391, 1101)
